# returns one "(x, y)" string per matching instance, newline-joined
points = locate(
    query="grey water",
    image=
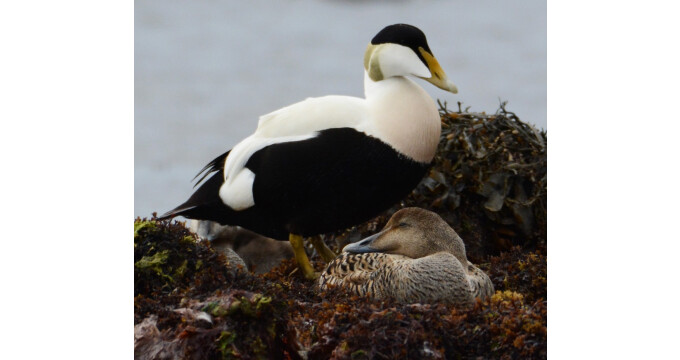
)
(206, 70)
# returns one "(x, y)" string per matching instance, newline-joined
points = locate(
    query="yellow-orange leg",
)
(301, 256)
(326, 254)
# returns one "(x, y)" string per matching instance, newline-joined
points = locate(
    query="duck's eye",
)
(403, 224)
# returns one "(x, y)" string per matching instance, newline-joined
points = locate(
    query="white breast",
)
(404, 116)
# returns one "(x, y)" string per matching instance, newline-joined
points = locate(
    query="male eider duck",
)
(331, 162)
(416, 258)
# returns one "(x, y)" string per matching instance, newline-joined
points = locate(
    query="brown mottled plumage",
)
(417, 257)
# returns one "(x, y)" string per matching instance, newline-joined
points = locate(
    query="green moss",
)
(259, 348)
(143, 225)
(154, 264)
(359, 354)
(271, 329)
(225, 345)
(188, 239)
(262, 302)
(216, 310)
(244, 307)
(181, 270)
(249, 307)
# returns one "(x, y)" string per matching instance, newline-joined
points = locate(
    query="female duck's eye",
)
(403, 224)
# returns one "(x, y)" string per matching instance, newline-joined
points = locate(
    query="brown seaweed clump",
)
(169, 261)
(233, 325)
(191, 303)
(489, 179)
(167, 256)
(522, 272)
(501, 327)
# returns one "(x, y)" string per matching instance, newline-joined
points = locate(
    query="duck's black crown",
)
(402, 34)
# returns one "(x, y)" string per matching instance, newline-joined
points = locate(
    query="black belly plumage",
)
(335, 180)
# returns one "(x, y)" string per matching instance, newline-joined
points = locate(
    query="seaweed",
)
(503, 326)
(523, 272)
(190, 302)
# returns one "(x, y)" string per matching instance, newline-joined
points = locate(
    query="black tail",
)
(205, 203)
(217, 164)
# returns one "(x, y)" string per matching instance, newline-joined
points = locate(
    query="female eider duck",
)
(417, 257)
(331, 162)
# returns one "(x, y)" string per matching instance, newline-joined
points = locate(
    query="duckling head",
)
(413, 232)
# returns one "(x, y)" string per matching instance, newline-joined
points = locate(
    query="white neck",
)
(403, 115)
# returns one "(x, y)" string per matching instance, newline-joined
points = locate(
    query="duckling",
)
(256, 253)
(417, 257)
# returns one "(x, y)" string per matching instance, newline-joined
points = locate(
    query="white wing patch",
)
(238, 192)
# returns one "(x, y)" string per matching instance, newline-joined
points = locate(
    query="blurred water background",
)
(206, 70)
